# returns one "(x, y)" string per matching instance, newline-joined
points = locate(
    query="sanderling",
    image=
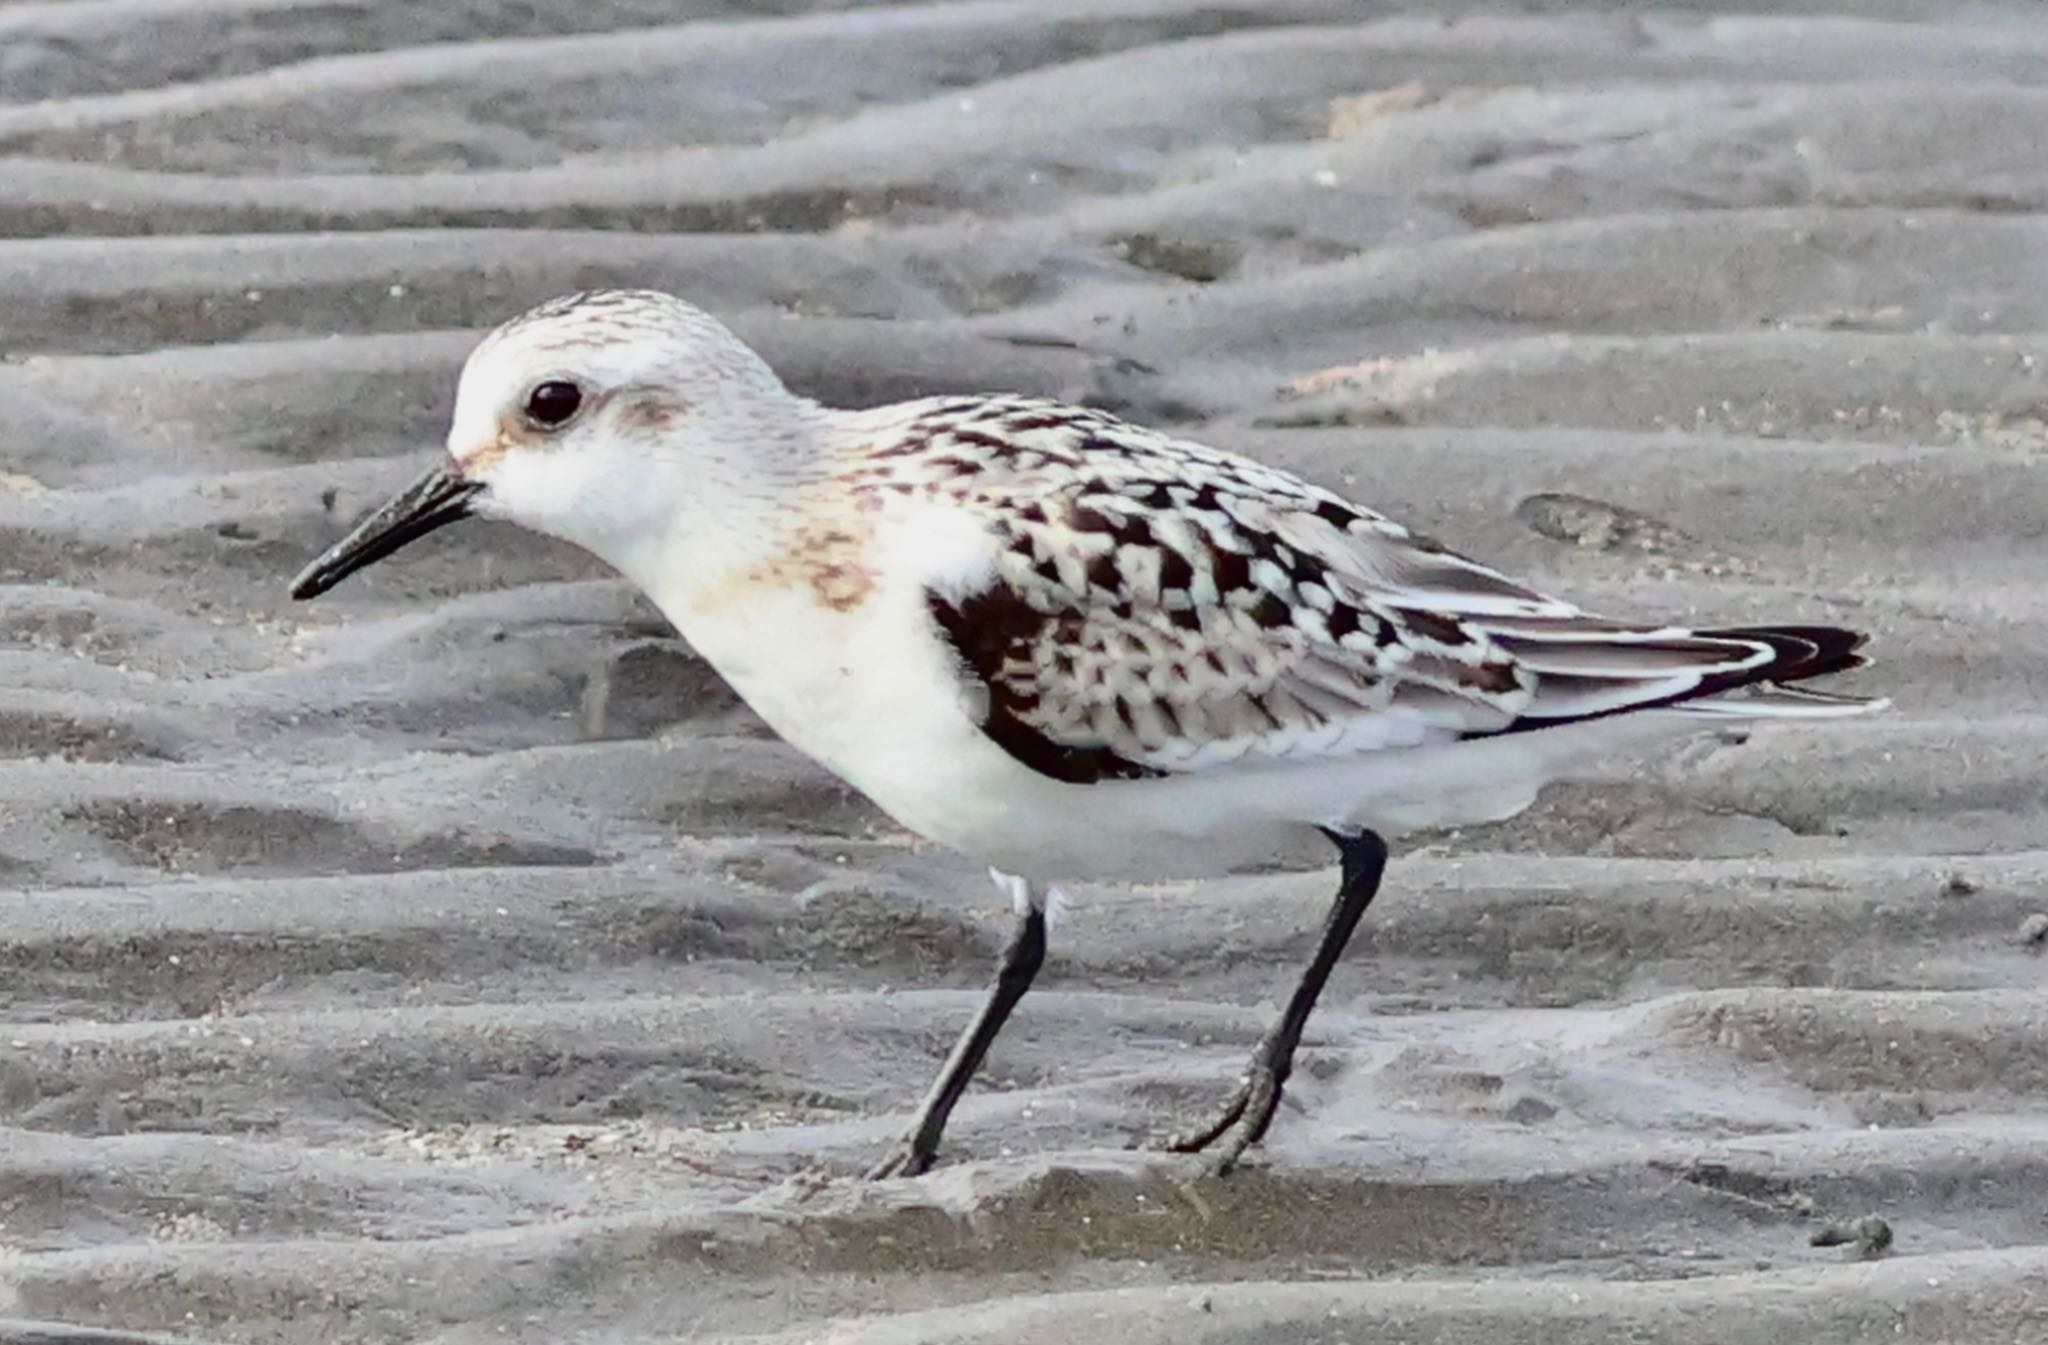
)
(1067, 645)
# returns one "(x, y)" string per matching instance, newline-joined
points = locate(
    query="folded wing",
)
(1167, 608)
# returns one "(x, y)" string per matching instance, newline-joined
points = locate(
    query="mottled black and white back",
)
(1156, 606)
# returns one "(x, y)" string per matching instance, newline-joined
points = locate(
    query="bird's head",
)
(609, 419)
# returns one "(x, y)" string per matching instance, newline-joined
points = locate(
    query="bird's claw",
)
(1240, 1124)
(905, 1159)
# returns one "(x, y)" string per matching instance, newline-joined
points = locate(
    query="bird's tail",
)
(1797, 654)
(1595, 670)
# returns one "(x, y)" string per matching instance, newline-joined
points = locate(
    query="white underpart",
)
(1348, 657)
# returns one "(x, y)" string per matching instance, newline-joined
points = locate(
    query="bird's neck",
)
(726, 514)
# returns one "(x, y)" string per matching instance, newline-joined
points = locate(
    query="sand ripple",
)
(455, 959)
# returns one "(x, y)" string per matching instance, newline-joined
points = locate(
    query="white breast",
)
(869, 692)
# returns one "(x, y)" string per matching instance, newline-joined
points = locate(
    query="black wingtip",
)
(1800, 652)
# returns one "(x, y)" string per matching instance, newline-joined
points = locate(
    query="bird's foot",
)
(905, 1159)
(1240, 1124)
(1194, 1141)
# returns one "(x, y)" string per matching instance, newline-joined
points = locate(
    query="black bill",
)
(438, 497)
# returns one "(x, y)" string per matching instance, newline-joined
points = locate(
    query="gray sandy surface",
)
(456, 960)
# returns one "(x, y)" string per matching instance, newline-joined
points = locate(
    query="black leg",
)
(1021, 959)
(1250, 1110)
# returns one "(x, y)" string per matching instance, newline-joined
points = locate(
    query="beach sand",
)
(454, 959)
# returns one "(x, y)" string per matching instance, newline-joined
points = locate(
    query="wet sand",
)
(455, 960)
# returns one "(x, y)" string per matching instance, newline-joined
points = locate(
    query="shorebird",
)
(1069, 646)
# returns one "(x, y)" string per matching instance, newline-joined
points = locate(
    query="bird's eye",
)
(552, 403)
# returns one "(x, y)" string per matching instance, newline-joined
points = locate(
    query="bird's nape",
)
(438, 498)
